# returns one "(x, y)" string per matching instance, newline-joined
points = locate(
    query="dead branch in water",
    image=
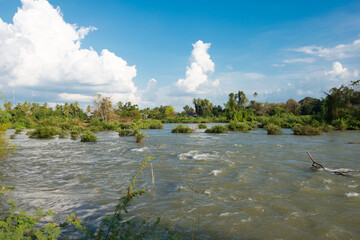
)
(314, 164)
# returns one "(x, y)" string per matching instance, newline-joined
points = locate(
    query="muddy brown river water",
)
(228, 186)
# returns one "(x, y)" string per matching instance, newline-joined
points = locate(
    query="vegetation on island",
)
(182, 129)
(338, 110)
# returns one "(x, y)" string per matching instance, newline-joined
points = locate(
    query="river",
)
(211, 186)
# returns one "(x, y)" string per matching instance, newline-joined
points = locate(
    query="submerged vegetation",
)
(89, 136)
(273, 129)
(217, 129)
(306, 130)
(182, 129)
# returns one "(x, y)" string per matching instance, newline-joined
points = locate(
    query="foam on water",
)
(352, 194)
(139, 149)
(216, 172)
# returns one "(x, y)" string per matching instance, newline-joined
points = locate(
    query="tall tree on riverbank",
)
(103, 106)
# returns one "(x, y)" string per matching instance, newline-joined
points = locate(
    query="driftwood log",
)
(315, 165)
(343, 172)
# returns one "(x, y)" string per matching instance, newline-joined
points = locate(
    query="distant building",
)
(191, 114)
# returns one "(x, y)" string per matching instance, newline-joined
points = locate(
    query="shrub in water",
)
(126, 132)
(89, 136)
(12, 136)
(139, 137)
(157, 125)
(181, 129)
(63, 133)
(306, 130)
(327, 128)
(76, 131)
(273, 129)
(18, 130)
(239, 126)
(44, 132)
(202, 126)
(217, 129)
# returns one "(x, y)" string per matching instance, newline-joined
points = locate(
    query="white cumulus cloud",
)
(197, 73)
(299, 60)
(338, 52)
(40, 50)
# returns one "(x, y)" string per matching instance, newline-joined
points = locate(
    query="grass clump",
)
(181, 129)
(202, 126)
(63, 133)
(76, 131)
(157, 125)
(306, 130)
(12, 136)
(241, 126)
(18, 130)
(273, 129)
(45, 132)
(89, 136)
(139, 137)
(127, 132)
(217, 129)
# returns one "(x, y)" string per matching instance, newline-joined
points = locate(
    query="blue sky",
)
(176, 50)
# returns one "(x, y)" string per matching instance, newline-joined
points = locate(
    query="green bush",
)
(158, 125)
(44, 132)
(181, 129)
(139, 137)
(18, 131)
(217, 129)
(339, 124)
(241, 126)
(76, 131)
(89, 136)
(202, 126)
(306, 130)
(124, 126)
(63, 133)
(273, 129)
(17, 225)
(326, 128)
(126, 132)
(12, 136)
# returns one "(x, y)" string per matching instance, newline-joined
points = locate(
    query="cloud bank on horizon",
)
(41, 56)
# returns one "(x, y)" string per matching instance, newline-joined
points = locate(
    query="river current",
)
(210, 186)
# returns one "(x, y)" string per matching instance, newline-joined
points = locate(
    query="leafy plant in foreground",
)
(20, 225)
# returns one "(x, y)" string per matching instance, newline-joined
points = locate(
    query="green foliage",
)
(89, 136)
(120, 227)
(12, 136)
(273, 129)
(18, 130)
(76, 131)
(306, 130)
(63, 133)
(217, 129)
(5, 147)
(45, 132)
(21, 225)
(202, 126)
(139, 137)
(242, 126)
(147, 124)
(126, 132)
(181, 129)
